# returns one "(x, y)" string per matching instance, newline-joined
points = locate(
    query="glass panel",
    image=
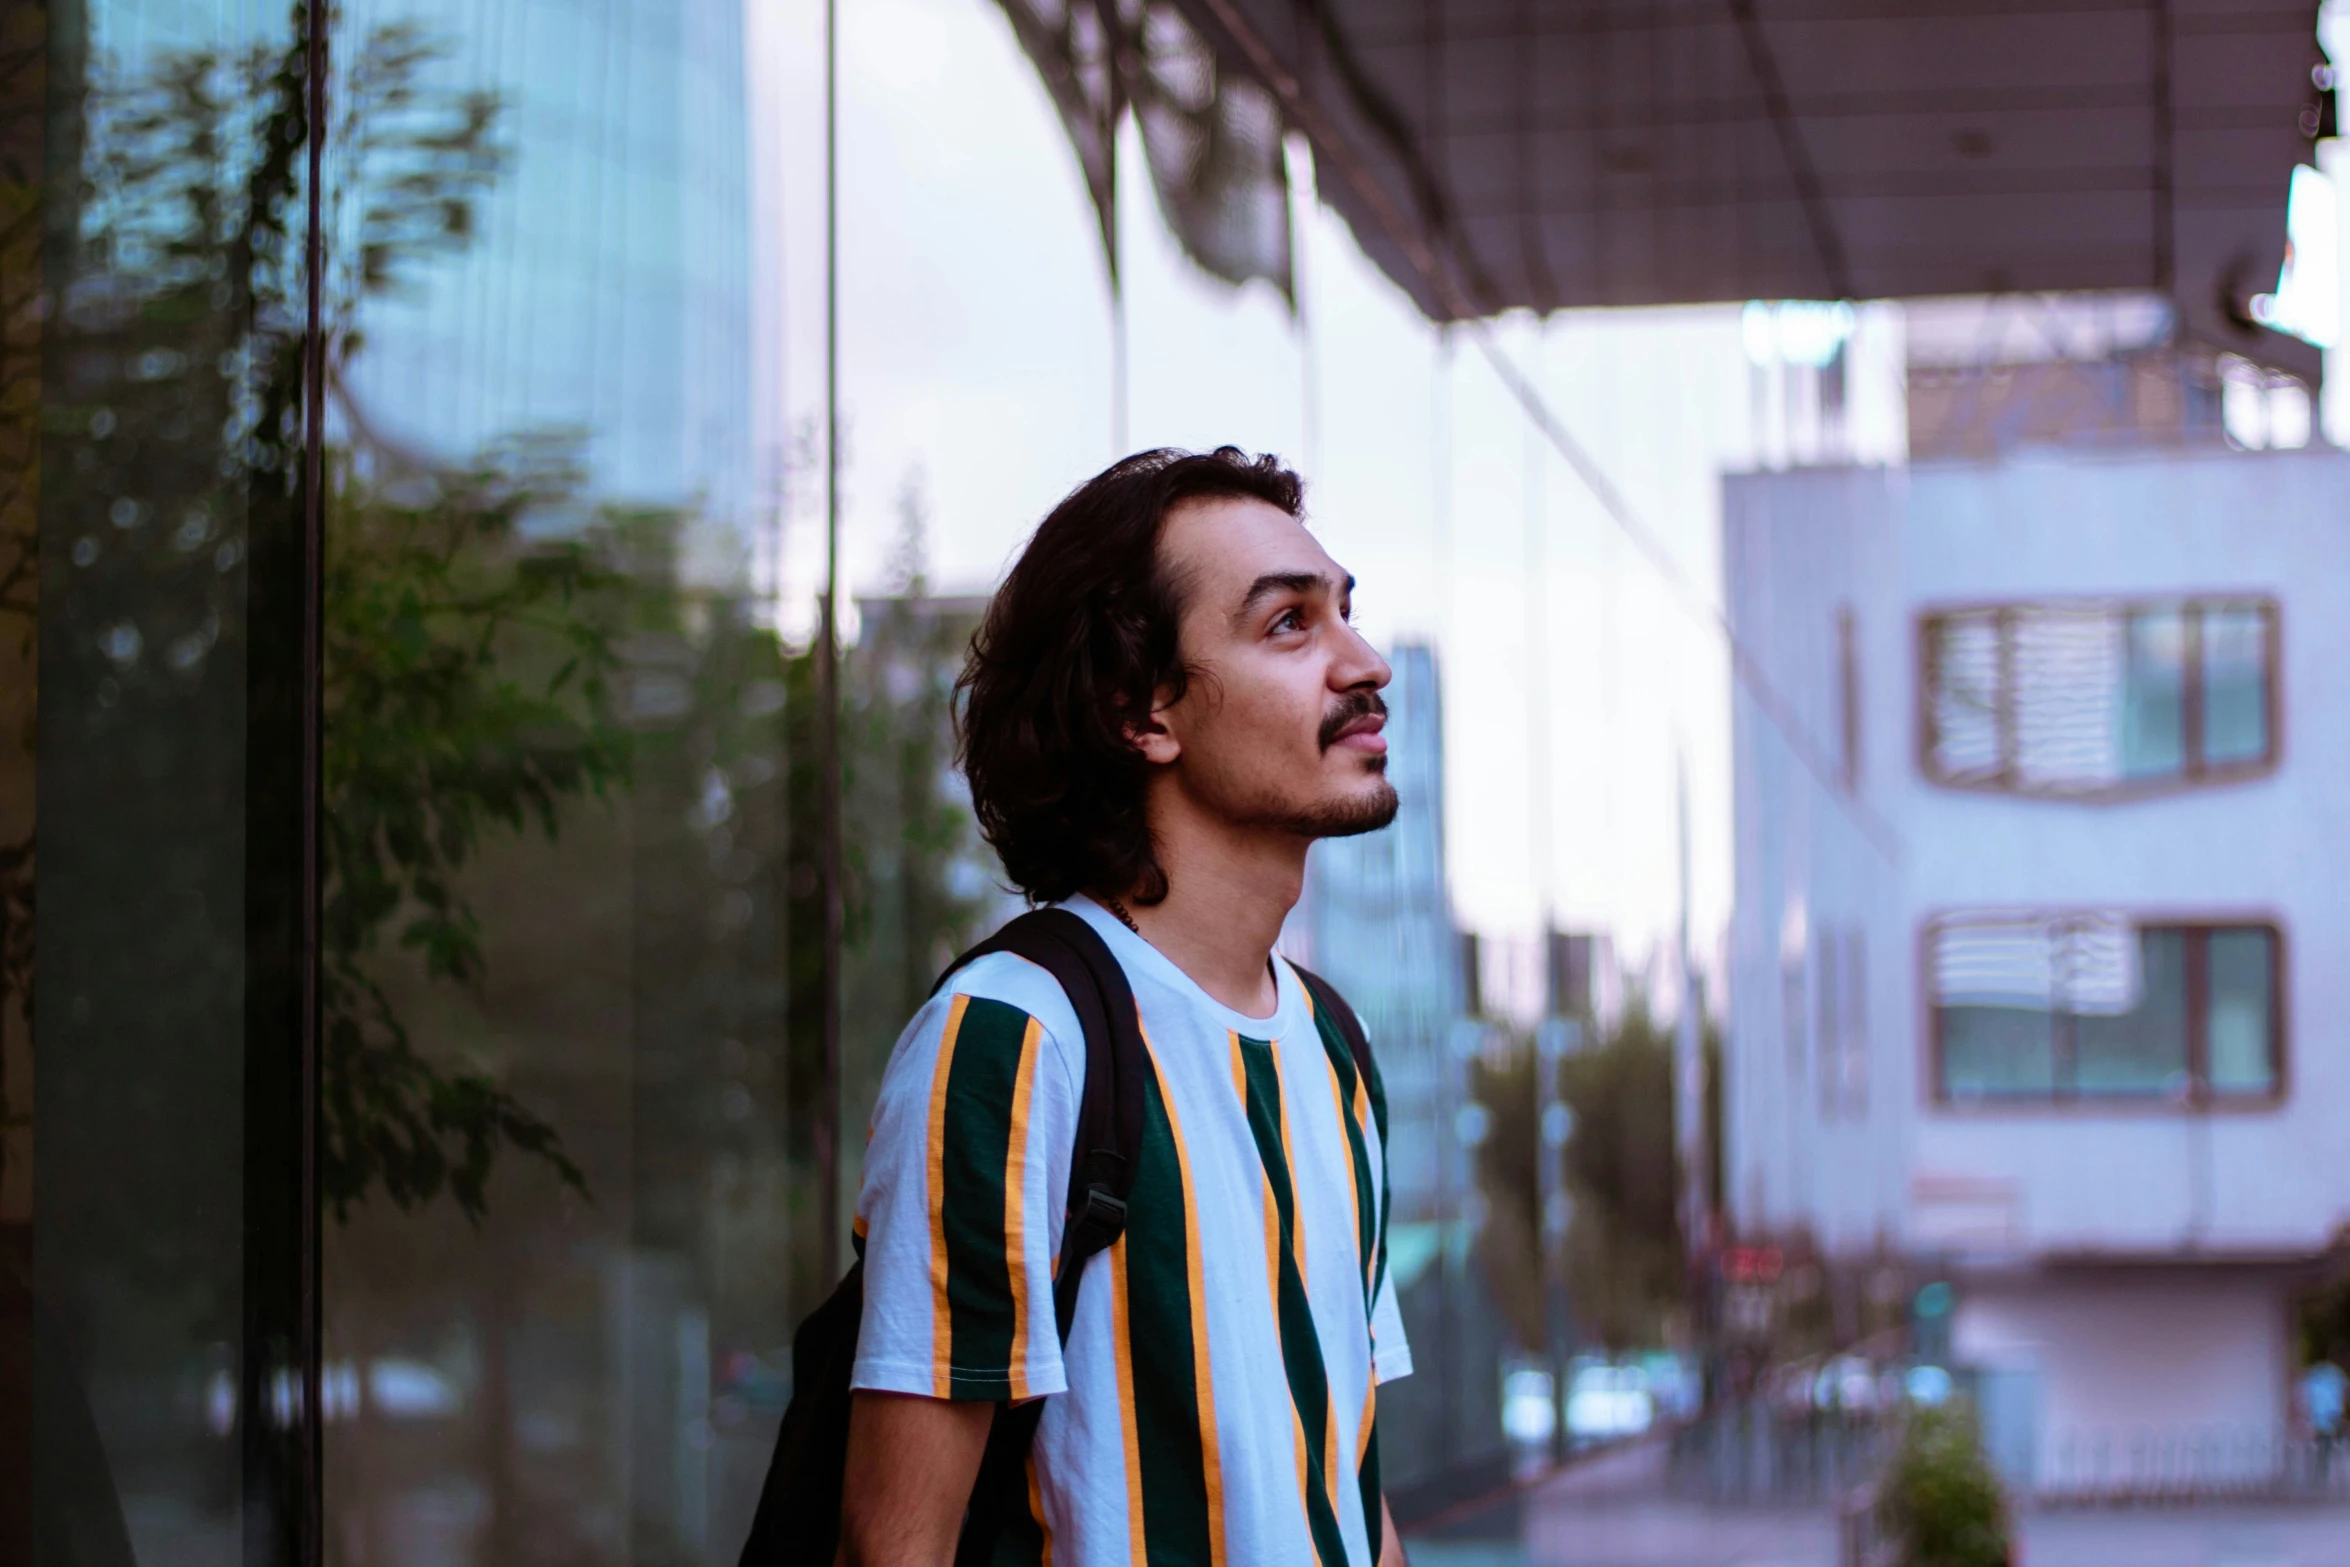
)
(574, 1071)
(23, 133)
(1964, 668)
(2235, 686)
(2135, 1041)
(2153, 705)
(151, 425)
(2243, 1011)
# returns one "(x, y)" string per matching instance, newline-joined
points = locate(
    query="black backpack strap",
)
(1101, 1175)
(1358, 1044)
(1109, 1117)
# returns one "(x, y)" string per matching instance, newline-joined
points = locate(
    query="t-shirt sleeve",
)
(1391, 1352)
(966, 1180)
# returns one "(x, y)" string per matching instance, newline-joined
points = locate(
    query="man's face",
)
(1280, 726)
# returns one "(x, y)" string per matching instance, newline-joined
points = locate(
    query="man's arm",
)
(1390, 1543)
(910, 1467)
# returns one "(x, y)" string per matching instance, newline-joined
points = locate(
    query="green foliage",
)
(1625, 1271)
(466, 671)
(1940, 1503)
(468, 691)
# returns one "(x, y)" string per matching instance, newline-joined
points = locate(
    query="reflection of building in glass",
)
(617, 1358)
(1376, 920)
(608, 292)
(2061, 1030)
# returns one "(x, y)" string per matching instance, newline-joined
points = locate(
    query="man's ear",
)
(1151, 737)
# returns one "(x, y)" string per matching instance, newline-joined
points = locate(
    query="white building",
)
(2036, 971)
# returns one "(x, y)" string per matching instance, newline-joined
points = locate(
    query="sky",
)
(975, 371)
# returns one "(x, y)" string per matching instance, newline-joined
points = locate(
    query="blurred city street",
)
(1612, 1513)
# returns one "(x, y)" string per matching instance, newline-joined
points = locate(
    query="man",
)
(1167, 704)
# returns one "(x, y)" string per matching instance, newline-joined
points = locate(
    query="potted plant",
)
(1940, 1504)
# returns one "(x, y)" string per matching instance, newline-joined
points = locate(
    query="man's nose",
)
(1360, 665)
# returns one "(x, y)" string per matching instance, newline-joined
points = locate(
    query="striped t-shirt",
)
(1216, 1401)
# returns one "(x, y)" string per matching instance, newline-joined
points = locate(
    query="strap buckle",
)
(1101, 1215)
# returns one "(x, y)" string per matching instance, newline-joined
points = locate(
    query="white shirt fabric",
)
(1260, 1202)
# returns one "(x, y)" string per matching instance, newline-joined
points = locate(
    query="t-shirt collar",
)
(1140, 957)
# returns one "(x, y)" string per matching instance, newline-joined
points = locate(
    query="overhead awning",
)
(1493, 154)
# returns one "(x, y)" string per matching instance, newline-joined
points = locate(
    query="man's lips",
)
(1362, 734)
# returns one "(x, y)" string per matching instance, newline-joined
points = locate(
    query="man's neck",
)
(1228, 890)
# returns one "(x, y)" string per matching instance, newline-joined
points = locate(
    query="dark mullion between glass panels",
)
(281, 1433)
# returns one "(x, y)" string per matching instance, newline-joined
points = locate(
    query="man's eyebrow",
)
(1273, 582)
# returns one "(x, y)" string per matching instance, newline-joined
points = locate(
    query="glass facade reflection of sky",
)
(608, 294)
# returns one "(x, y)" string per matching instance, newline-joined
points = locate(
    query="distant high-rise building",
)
(608, 296)
(1377, 922)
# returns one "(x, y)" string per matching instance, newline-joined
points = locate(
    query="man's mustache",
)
(1351, 706)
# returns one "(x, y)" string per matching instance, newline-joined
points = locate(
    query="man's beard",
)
(1347, 818)
(1357, 814)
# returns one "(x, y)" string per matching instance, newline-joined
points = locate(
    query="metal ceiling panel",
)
(1493, 154)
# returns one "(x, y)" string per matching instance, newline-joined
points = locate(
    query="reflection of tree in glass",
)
(468, 690)
(163, 359)
(23, 44)
(467, 670)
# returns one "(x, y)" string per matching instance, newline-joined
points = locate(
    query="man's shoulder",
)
(1006, 980)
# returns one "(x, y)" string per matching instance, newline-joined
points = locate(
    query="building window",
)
(2101, 1007)
(2087, 699)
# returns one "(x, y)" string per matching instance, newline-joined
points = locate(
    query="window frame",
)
(2198, 924)
(2194, 773)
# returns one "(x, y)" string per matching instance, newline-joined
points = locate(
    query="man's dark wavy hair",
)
(1075, 644)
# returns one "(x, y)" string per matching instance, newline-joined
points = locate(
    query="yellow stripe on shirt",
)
(1123, 1340)
(942, 1320)
(1203, 1371)
(1015, 1206)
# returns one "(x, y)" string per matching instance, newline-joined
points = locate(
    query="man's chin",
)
(1367, 810)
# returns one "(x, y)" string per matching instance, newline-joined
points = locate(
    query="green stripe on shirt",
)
(981, 1313)
(1301, 1345)
(1342, 1063)
(1160, 1218)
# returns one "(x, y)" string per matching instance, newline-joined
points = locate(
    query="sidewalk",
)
(1612, 1515)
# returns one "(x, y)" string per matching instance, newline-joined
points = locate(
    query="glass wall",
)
(567, 1070)
(570, 1067)
(431, 1019)
(156, 202)
(409, 741)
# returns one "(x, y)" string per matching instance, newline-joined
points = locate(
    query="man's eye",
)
(1289, 620)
